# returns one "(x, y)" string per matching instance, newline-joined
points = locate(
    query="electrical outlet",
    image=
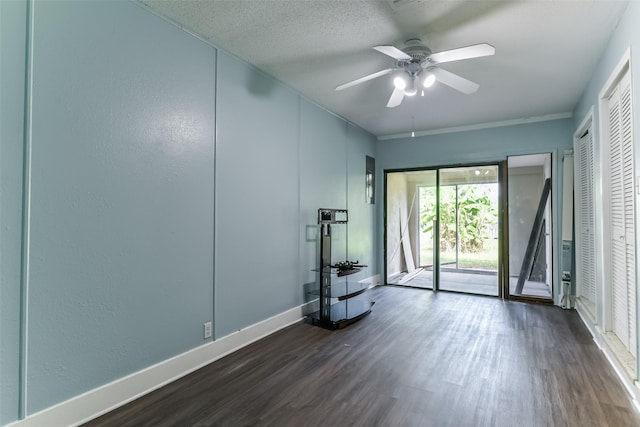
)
(207, 330)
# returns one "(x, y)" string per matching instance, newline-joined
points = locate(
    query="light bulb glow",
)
(399, 83)
(429, 80)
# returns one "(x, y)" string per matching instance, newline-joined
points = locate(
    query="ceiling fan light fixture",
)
(400, 83)
(429, 80)
(411, 89)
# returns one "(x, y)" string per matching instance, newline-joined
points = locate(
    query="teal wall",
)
(13, 34)
(121, 209)
(485, 145)
(168, 184)
(626, 35)
(361, 236)
(256, 197)
(323, 161)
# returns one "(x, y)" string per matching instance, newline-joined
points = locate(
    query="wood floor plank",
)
(420, 359)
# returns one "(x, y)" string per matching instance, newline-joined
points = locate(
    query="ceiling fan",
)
(416, 65)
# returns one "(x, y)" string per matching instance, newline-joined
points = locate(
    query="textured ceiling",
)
(545, 52)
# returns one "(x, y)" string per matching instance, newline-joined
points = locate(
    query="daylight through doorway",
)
(468, 218)
(530, 262)
(442, 229)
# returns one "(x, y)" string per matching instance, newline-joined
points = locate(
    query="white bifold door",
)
(585, 220)
(619, 212)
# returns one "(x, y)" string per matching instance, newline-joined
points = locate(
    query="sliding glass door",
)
(442, 229)
(469, 229)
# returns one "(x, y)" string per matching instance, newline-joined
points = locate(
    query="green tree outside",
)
(477, 216)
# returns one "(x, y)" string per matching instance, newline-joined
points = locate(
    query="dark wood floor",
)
(419, 359)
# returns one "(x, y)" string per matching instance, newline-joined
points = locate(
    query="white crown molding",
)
(479, 126)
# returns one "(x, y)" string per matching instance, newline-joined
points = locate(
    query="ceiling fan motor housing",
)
(418, 52)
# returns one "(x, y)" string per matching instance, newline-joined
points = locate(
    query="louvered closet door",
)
(586, 246)
(622, 245)
(626, 118)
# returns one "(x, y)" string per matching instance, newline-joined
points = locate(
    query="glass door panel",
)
(410, 214)
(468, 229)
(427, 227)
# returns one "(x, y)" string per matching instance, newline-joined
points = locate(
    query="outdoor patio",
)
(482, 283)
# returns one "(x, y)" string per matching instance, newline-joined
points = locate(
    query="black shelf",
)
(332, 281)
(338, 272)
(349, 272)
(343, 313)
(343, 290)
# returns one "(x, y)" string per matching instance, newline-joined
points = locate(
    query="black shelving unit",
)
(337, 289)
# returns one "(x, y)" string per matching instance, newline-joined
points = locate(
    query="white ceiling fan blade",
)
(454, 81)
(365, 78)
(393, 52)
(396, 98)
(475, 51)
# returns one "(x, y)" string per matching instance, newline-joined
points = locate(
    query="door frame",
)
(506, 292)
(501, 220)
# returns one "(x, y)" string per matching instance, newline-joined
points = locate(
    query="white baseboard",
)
(587, 316)
(108, 397)
(629, 384)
